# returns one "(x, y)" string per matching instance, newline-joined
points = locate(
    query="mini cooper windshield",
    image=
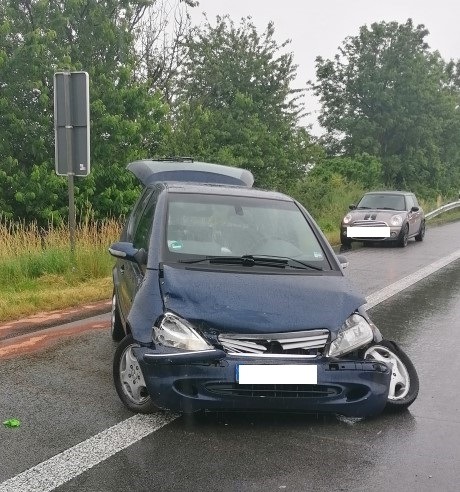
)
(382, 201)
(240, 230)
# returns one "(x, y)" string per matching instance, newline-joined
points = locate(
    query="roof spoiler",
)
(149, 171)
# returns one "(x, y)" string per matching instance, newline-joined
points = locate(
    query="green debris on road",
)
(11, 423)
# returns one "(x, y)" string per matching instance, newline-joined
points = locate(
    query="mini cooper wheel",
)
(421, 233)
(129, 380)
(116, 327)
(344, 241)
(404, 383)
(404, 237)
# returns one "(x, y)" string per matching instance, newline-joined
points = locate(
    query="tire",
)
(421, 233)
(116, 326)
(404, 385)
(345, 241)
(129, 380)
(404, 237)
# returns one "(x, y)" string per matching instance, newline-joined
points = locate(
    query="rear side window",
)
(140, 222)
(144, 225)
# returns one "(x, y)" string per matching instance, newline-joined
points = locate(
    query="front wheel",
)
(404, 383)
(404, 238)
(421, 233)
(345, 241)
(129, 380)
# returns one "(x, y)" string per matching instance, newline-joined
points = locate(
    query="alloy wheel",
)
(131, 377)
(400, 380)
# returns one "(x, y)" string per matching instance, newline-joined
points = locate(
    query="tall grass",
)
(38, 271)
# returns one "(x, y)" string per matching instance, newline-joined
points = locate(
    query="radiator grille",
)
(307, 343)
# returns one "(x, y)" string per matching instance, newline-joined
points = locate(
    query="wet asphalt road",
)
(64, 395)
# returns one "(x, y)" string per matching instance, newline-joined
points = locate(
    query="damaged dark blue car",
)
(227, 297)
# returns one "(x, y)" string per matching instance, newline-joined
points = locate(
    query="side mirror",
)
(127, 251)
(352, 206)
(343, 260)
(415, 209)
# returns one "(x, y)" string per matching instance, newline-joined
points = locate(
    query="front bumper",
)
(191, 382)
(395, 234)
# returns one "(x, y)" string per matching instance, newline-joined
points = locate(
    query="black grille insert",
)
(273, 390)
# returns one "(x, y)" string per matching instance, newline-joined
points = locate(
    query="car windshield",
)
(382, 201)
(201, 226)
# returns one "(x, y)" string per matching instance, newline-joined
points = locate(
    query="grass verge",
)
(39, 273)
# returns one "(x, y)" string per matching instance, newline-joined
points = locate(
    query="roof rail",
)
(173, 159)
(149, 171)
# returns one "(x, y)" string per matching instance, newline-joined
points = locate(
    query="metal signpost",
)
(71, 129)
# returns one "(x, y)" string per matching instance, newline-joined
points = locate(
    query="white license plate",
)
(276, 374)
(368, 231)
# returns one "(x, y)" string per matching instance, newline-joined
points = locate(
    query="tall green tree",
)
(235, 104)
(387, 94)
(40, 37)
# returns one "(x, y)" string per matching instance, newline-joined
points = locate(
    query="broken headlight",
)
(176, 332)
(355, 332)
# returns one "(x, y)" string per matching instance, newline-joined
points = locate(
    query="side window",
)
(415, 201)
(409, 202)
(136, 213)
(144, 225)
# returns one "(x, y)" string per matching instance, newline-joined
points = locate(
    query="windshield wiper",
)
(245, 260)
(298, 263)
(255, 260)
(199, 260)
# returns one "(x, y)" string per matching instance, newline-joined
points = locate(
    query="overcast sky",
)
(319, 27)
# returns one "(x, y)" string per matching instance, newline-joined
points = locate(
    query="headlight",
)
(178, 333)
(396, 220)
(354, 333)
(347, 219)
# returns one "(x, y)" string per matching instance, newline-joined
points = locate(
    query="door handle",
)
(122, 269)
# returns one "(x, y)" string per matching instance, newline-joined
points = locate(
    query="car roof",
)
(389, 193)
(182, 169)
(219, 189)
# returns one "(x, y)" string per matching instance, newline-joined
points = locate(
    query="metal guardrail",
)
(440, 210)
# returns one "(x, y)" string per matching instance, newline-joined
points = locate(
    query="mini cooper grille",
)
(370, 223)
(273, 390)
(306, 343)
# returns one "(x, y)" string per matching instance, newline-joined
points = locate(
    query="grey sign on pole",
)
(71, 123)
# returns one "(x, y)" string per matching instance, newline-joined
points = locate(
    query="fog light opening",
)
(356, 394)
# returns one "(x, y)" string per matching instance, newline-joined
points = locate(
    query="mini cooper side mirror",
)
(352, 206)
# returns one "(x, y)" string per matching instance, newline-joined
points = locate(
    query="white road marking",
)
(74, 461)
(404, 283)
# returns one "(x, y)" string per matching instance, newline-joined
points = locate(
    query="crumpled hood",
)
(258, 303)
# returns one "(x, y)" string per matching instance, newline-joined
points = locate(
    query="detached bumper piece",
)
(189, 382)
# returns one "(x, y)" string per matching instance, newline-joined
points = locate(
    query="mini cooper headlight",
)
(176, 332)
(396, 220)
(347, 219)
(355, 332)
